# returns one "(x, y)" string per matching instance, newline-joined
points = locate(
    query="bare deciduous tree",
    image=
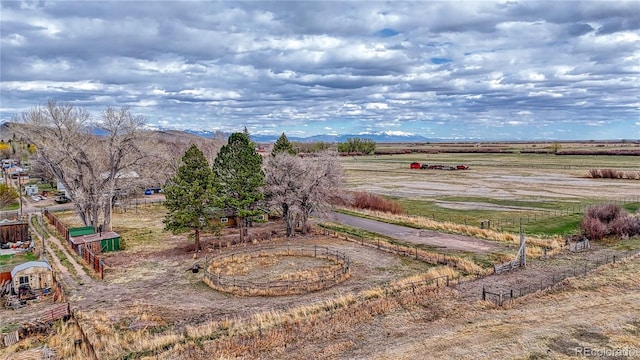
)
(303, 187)
(322, 183)
(91, 168)
(283, 175)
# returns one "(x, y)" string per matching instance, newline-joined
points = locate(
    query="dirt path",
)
(420, 236)
(72, 282)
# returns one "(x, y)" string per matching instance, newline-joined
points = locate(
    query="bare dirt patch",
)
(162, 282)
(270, 268)
(394, 178)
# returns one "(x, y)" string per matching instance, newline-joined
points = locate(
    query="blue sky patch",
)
(386, 32)
(438, 61)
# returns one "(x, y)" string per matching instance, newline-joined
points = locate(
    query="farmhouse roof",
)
(30, 264)
(84, 239)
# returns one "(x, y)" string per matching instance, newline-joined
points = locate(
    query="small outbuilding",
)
(104, 241)
(37, 274)
(13, 231)
(31, 190)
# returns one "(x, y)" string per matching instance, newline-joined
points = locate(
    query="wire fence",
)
(409, 251)
(504, 297)
(524, 215)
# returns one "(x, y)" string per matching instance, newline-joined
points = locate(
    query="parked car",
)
(62, 199)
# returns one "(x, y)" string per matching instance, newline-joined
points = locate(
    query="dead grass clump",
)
(112, 340)
(307, 313)
(613, 174)
(267, 334)
(440, 272)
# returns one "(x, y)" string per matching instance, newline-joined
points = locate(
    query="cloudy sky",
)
(461, 69)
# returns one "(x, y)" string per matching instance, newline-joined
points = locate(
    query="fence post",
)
(614, 259)
(447, 277)
(484, 294)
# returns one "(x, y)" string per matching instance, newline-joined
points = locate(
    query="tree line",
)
(102, 159)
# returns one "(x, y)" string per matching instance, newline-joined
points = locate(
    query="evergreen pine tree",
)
(282, 145)
(239, 177)
(191, 196)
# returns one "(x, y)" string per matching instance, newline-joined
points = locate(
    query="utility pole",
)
(523, 247)
(20, 191)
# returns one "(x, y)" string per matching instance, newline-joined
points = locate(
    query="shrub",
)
(606, 213)
(613, 174)
(593, 228)
(609, 219)
(626, 226)
(365, 200)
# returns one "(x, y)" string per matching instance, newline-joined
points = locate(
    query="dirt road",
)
(419, 236)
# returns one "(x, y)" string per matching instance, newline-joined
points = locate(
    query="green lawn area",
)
(13, 260)
(12, 207)
(544, 218)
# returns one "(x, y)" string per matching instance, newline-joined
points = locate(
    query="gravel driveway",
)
(420, 236)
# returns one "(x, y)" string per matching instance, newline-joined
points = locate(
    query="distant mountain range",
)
(380, 137)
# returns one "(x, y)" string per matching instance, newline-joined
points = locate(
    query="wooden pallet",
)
(11, 338)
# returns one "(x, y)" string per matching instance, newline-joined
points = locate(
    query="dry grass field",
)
(532, 177)
(150, 304)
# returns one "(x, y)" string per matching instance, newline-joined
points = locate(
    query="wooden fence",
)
(47, 316)
(89, 257)
(83, 343)
(578, 246)
(55, 313)
(403, 250)
(519, 261)
(93, 261)
(61, 228)
(325, 277)
(500, 297)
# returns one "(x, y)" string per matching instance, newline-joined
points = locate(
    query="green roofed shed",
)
(102, 242)
(79, 231)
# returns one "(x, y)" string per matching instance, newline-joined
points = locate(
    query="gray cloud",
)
(529, 68)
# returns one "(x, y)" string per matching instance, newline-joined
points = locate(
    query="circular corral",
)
(277, 270)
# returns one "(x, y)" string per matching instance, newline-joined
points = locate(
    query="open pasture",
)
(550, 192)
